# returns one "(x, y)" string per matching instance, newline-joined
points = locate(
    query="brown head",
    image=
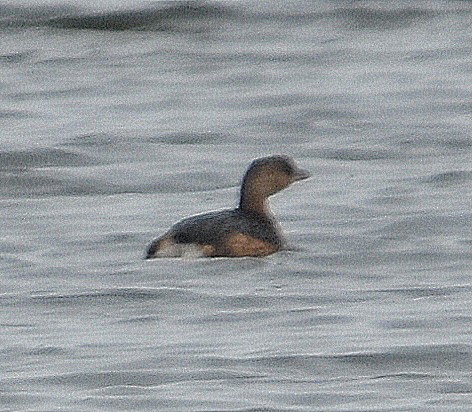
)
(265, 177)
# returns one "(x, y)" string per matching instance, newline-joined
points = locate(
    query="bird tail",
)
(153, 248)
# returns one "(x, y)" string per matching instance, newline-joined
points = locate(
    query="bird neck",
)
(252, 200)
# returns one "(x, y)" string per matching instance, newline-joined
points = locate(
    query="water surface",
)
(119, 119)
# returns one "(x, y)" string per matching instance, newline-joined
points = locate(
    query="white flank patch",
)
(185, 250)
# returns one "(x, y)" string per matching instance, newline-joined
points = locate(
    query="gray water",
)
(119, 119)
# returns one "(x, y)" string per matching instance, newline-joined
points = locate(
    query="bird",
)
(248, 230)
